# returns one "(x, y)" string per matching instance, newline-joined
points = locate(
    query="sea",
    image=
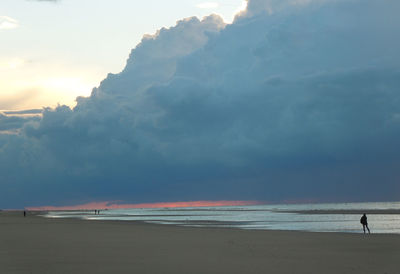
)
(296, 217)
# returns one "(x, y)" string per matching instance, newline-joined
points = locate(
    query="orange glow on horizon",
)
(116, 205)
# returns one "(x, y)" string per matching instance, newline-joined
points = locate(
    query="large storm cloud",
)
(295, 100)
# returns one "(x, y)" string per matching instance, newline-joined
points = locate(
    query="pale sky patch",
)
(18, 99)
(208, 5)
(8, 23)
(44, 0)
(12, 63)
(19, 89)
(71, 86)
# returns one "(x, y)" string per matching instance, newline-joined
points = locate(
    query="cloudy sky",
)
(285, 100)
(53, 51)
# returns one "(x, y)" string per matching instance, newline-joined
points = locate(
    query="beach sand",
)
(39, 245)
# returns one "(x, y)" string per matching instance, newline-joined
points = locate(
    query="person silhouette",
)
(364, 222)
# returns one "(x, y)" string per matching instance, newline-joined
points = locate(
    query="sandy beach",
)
(38, 245)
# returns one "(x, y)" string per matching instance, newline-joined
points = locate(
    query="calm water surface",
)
(257, 217)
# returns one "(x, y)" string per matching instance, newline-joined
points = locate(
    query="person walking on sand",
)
(24, 213)
(364, 222)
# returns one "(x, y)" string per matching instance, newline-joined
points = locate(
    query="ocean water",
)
(267, 217)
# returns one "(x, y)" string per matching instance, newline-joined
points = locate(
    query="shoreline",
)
(272, 223)
(344, 211)
(36, 244)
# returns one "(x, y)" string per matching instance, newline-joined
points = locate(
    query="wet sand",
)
(345, 211)
(39, 245)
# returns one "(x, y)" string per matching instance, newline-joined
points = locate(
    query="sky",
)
(53, 51)
(284, 100)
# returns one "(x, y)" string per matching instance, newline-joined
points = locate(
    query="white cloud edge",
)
(7, 22)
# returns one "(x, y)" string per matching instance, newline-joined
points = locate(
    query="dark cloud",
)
(24, 112)
(12, 123)
(299, 101)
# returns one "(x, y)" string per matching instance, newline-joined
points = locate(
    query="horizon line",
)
(116, 205)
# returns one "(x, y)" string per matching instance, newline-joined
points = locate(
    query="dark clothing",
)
(363, 220)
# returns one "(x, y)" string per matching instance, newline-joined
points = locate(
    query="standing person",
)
(364, 222)
(24, 213)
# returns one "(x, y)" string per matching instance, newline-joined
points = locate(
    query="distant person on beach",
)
(24, 213)
(364, 222)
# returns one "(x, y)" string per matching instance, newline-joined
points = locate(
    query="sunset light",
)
(116, 205)
(199, 136)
